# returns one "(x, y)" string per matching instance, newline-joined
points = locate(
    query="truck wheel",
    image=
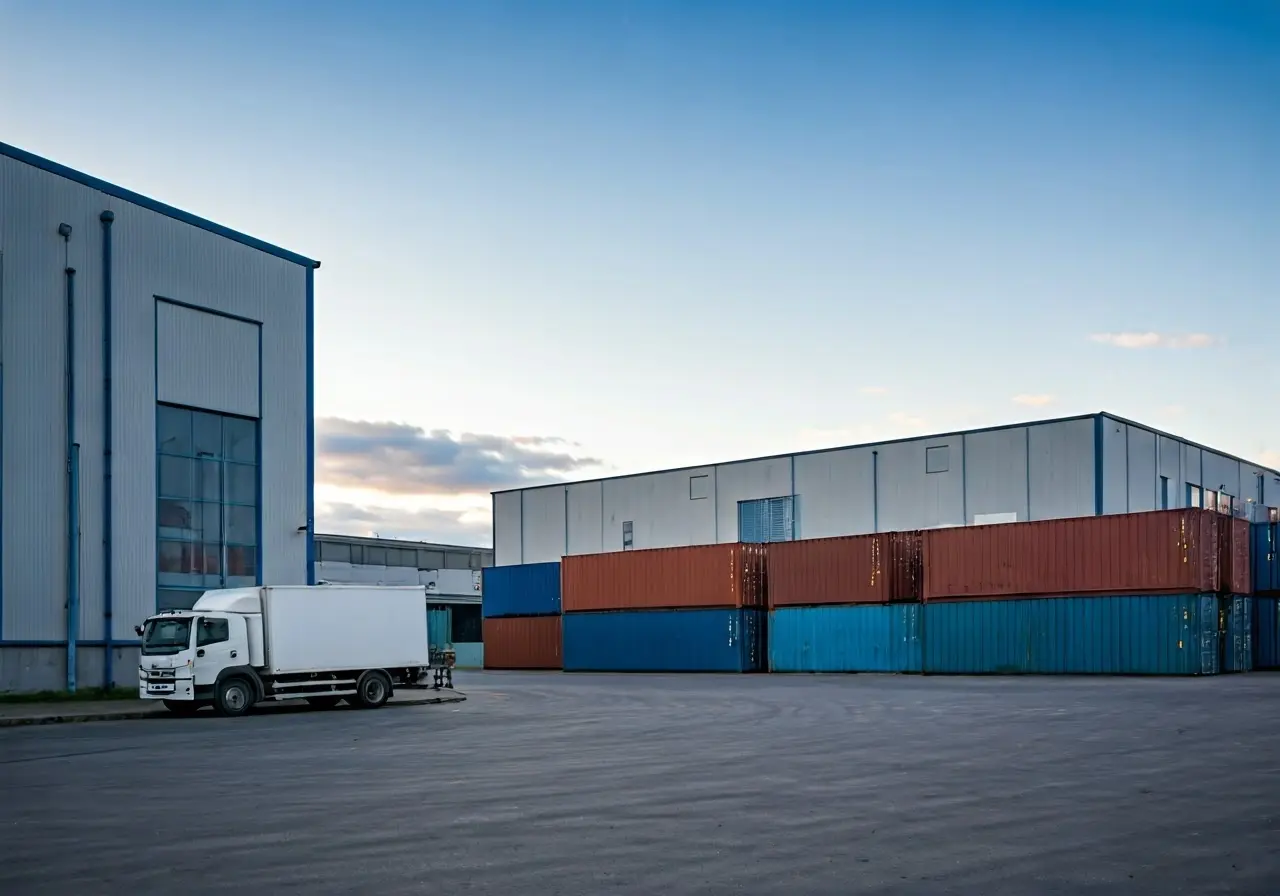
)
(235, 697)
(324, 702)
(182, 707)
(373, 689)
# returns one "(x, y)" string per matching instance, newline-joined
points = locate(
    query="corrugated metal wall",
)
(154, 256)
(204, 360)
(845, 639)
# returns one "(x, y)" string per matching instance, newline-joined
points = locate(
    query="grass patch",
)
(66, 697)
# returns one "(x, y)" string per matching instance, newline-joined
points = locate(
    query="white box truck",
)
(322, 643)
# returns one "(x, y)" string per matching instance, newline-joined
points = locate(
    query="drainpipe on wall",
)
(875, 491)
(73, 474)
(108, 670)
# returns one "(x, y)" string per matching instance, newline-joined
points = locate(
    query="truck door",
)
(220, 642)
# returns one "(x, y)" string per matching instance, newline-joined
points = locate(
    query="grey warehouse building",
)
(1051, 469)
(156, 421)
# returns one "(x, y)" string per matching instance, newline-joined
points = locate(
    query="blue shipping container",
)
(1266, 563)
(1266, 633)
(866, 638)
(665, 641)
(1128, 635)
(1236, 625)
(529, 590)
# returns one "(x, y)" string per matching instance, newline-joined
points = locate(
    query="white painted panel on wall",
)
(506, 529)
(586, 518)
(542, 524)
(747, 481)
(1061, 468)
(205, 360)
(834, 493)
(1115, 463)
(909, 496)
(659, 509)
(995, 473)
(1143, 480)
(1169, 466)
(987, 519)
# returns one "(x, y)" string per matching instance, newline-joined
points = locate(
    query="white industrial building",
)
(156, 419)
(1069, 467)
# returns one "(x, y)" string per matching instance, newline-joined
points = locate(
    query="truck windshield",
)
(163, 636)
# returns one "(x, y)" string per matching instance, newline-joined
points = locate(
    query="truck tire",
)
(324, 702)
(182, 707)
(235, 697)
(372, 689)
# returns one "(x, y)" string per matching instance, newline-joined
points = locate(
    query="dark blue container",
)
(665, 641)
(1127, 635)
(1236, 626)
(1266, 563)
(866, 638)
(529, 590)
(1266, 633)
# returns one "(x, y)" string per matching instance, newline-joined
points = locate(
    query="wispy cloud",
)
(1156, 340)
(468, 527)
(399, 459)
(1034, 401)
(874, 390)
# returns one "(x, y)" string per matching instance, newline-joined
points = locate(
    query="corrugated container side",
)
(721, 640)
(522, 642)
(1266, 574)
(1266, 633)
(529, 590)
(705, 576)
(1235, 614)
(1234, 561)
(854, 569)
(1116, 635)
(884, 638)
(1174, 551)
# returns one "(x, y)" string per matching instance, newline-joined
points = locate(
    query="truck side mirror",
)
(138, 630)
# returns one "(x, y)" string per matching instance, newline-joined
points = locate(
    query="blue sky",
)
(668, 233)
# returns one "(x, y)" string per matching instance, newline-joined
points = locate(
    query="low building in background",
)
(450, 573)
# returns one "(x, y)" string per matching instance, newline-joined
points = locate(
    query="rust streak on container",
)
(523, 642)
(706, 576)
(854, 569)
(1174, 551)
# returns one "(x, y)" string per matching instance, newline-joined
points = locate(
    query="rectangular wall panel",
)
(995, 473)
(543, 524)
(1060, 462)
(834, 493)
(586, 518)
(507, 529)
(207, 361)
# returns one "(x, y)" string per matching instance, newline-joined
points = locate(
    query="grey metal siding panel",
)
(910, 498)
(659, 509)
(995, 473)
(586, 518)
(1060, 467)
(1169, 464)
(1143, 478)
(1115, 462)
(204, 360)
(1221, 473)
(834, 494)
(507, 528)
(542, 524)
(746, 481)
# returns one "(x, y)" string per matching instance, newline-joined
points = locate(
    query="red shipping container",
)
(1165, 552)
(854, 569)
(1237, 576)
(523, 642)
(707, 576)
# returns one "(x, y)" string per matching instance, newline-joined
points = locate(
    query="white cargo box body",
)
(327, 627)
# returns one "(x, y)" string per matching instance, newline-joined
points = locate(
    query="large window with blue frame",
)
(207, 502)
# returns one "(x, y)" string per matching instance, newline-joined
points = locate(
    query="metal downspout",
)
(73, 475)
(108, 663)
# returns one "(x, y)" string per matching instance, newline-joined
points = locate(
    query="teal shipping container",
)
(863, 638)
(1266, 632)
(1235, 622)
(1174, 634)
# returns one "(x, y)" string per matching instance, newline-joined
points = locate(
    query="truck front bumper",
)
(156, 685)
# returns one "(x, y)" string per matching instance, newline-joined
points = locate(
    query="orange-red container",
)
(1165, 552)
(523, 642)
(1237, 574)
(703, 577)
(855, 569)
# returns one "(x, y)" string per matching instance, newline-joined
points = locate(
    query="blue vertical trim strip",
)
(257, 551)
(793, 498)
(1128, 476)
(1, 467)
(964, 479)
(875, 491)
(311, 422)
(1097, 465)
(73, 486)
(155, 444)
(1027, 448)
(108, 581)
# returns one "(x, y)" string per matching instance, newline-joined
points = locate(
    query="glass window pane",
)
(179, 563)
(240, 440)
(357, 554)
(242, 484)
(241, 562)
(210, 522)
(176, 477)
(242, 525)
(173, 599)
(212, 559)
(209, 485)
(206, 434)
(173, 430)
(177, 520)
(212, 631)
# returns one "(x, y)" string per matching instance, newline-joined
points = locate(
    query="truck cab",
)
(185, 655)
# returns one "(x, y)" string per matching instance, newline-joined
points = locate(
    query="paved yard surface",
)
(553, 784)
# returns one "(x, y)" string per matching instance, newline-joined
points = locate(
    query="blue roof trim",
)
(311, 426)
(138, 199)
(1097, 416)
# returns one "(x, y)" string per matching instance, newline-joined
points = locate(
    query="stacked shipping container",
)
(1265, 615)
(522, 617)
(694, 609)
